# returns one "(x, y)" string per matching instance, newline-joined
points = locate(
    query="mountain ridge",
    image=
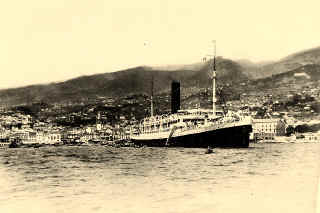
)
(288, 63)
(120, 83)
(138, 79)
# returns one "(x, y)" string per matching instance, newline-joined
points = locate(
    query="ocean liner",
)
(195, 127)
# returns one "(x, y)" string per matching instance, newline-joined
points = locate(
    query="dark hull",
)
(237, 137)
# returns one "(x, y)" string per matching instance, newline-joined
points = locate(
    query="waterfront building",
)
(311, 137)
(52, 138)
(268, 128)
(87, 137)
(48, 137)
(31, 137)
(4, 133)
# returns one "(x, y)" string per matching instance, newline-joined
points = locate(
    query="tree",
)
(261, 113)
(289, 130)
(302, 128)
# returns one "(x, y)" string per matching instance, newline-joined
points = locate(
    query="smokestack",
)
(175, 96)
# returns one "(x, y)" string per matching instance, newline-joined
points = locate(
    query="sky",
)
(44, 41)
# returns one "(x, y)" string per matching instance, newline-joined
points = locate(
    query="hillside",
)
(138, 79)
(252, 69)
(194, 67)
(291, 62)
(293, 78)
(117, 84)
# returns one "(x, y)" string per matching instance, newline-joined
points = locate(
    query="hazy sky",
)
(52, 40)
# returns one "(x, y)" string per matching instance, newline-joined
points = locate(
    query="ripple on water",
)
(237, 161)
(219, 165)
(158, 178)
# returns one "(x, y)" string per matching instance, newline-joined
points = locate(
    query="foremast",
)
(213, 68)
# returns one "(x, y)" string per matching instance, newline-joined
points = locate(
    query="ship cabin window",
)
(201, 121)
(173, 121)
(219, 113)
(183, 113)
(153, 127)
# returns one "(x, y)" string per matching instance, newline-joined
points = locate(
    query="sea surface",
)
(266, 177)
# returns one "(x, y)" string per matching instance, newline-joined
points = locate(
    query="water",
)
(263, 178)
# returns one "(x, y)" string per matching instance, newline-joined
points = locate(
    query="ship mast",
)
(213, 67)
(151, 98)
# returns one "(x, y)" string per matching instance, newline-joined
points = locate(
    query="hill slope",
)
(138, 79)
(291, 62)
(117, 84)
(296, 77)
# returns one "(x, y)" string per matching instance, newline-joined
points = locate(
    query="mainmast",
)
(151, 98)
(213, 67)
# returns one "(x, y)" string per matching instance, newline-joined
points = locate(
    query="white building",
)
(311, 137)
(268, 128)
(48, 138)
(301, 74)
(4, 133)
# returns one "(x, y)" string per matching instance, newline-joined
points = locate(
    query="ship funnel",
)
(175, 96)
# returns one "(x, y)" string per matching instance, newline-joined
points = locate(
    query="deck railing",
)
(209, 125)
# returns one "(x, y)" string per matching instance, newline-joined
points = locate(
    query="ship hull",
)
(233, 137)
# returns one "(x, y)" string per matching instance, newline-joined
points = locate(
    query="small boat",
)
(209, 150)
(14, 144)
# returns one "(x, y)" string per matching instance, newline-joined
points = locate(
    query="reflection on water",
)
(262, 178)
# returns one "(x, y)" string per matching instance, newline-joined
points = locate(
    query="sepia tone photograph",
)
(158, 106)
